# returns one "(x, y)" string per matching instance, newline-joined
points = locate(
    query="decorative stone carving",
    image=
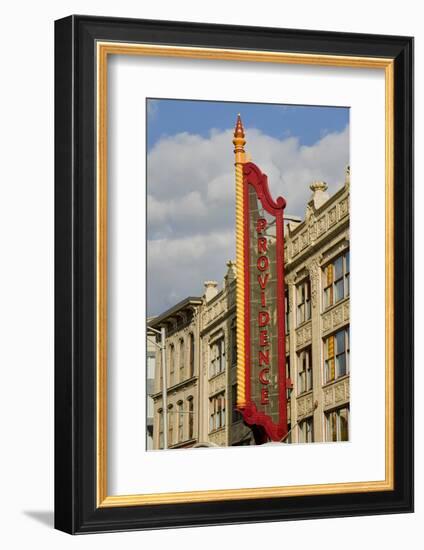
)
(303, 335)
(346, 312)
(295, 247)
(347, 177)
(337, 393)
(217, 384)
(336, 317)
(309, 212)
(332, 216)
(321, 225)
(314, 275)
(344, 207)
(304, 405)
(312, 231)
(328, 397)
(326, 322)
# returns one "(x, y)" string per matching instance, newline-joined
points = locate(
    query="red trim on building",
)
(252, 175)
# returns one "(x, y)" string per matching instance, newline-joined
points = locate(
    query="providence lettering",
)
(262, 265)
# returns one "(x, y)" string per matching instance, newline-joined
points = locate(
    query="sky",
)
(190, 181)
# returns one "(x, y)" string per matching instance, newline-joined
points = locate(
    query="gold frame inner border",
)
(104, 49)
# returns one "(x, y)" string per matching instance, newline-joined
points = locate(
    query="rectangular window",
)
(287, 308)
(336, 355)
(336, 280)
(234, 345)
(235, 414)
(304, 376)
(217, 356)
(180, 422)
(190, 419)
(337, 425)
(161, 443)
(182, 359)
(306, 430)
(303, 301)
(170, 425)
(191, 372)
(217, 412)
(172, 365)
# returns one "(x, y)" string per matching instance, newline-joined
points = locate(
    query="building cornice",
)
(317, 246)
(176, 387)
(318, 212)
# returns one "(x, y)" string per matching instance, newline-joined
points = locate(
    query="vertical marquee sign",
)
(261, 356)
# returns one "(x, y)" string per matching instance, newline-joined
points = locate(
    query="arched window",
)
(180, 421)
(182, 359)
(160, 425)
(190, 418)
(191, 359)
(170, 425)
(172, 365)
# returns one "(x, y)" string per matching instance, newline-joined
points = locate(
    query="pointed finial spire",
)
(239, 141)
(239, 130)
(347, 176)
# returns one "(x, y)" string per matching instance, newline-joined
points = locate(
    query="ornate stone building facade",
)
(317, 266)
(201, 341)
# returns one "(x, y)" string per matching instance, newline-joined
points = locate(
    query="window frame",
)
(190, 400)
(329, 281)
(303, 307)
(217, 412)
(217, 358)
(181, 358)
(305, 435)
(170, 425)
(335, 355)
(172, 364)
(192, 348)
(180, 423)
(306, 373)
(335, 414)
(161, 441)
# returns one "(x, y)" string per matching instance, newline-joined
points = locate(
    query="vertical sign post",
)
(261, 354)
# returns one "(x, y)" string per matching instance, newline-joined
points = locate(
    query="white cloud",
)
(178, 267)
(191, 200)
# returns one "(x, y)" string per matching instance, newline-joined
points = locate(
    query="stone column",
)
(315, 278)
(291, 288)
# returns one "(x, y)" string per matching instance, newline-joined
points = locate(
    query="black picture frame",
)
(76, 508)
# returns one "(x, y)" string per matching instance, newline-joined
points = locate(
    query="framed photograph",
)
(234, 274)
